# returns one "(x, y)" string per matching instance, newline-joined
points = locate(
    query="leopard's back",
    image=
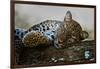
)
(46, 26)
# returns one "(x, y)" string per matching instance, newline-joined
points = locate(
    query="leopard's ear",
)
(68, 16)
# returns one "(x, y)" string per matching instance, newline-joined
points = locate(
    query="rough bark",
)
(76, 52)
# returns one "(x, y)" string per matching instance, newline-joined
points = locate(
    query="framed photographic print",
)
(49, 34)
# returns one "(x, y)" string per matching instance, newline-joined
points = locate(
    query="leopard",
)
(56, 33)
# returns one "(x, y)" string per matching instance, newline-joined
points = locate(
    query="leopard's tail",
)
(34, 39)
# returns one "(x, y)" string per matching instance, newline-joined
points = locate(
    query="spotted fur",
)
(19, 33)
(57, 33)
(47, 29)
